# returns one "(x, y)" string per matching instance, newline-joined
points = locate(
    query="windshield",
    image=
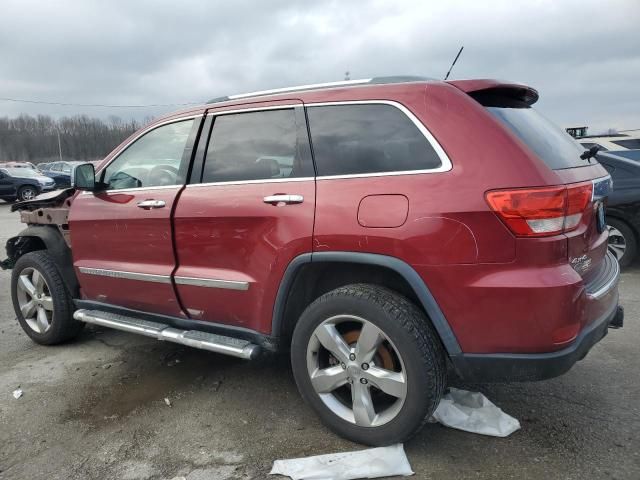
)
(548, 141)
(22, 172)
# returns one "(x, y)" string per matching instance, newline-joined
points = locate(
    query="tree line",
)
(35, 139)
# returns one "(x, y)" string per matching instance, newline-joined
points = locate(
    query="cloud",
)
(581, 55)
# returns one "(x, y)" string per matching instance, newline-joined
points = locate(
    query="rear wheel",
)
(622, 241)
(27, 193)
(41, 301)
(368, 361)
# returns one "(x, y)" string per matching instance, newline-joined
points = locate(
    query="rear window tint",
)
(631, 143)
(372, 138)
(549, 142)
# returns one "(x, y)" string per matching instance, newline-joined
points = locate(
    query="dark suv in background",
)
(23, 183)
(623, 205)
(376, 230)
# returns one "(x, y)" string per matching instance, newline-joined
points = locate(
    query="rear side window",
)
(371, 138)
(255, 146)
(549, 142)
(631, 143)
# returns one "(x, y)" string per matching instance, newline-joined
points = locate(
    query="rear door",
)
(245, 215)
(122, 235)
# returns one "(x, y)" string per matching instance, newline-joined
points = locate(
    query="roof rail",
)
(318, 86)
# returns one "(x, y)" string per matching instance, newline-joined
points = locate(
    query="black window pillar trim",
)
(197, 165)
(421, 290)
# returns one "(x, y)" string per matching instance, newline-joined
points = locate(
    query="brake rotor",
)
(383, 357)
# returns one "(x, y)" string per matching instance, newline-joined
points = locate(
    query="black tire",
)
(414, 339)
(23, 192)
(62, 325)
(630, 238)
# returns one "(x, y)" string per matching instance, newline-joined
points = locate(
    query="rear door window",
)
(367, 138)
(550, 143)
(261, 145)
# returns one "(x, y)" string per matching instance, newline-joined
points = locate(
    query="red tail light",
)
(541, 212)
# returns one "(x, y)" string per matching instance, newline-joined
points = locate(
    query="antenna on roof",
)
(454, 62)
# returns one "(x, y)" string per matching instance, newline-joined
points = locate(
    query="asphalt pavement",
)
(95, 409)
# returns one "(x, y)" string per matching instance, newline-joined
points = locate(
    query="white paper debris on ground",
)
(17, 393)
(475, 413)
(167, 402)
(371, 463)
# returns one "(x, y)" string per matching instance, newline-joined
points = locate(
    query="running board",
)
(192, 338)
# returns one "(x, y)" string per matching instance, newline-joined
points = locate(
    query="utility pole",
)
(59, 144)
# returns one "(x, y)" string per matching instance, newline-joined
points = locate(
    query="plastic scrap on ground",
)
(17, 393)
(475, 413)
(371, 463)
(460, 409)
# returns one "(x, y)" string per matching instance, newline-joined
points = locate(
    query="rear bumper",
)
(507, 367)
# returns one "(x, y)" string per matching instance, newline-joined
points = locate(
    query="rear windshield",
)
(549, 142)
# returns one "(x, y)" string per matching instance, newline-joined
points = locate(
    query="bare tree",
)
(35, 139)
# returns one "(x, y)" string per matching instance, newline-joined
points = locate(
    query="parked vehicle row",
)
(351, 225)
(24, 180)
(59, 171)
(19, 183)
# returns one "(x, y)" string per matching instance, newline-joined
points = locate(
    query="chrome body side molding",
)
(149, 277)
(212, 283)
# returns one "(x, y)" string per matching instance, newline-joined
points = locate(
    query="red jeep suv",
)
(380, 230)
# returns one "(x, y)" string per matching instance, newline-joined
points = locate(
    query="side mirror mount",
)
(83, 177)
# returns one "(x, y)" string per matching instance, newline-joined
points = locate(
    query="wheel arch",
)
(310, 275)
(43, 237)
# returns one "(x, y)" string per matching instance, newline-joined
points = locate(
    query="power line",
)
(62, 104)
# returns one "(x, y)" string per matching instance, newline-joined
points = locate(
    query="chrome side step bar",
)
(192, 338)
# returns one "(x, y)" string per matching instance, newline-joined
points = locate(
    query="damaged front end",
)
(49, 209)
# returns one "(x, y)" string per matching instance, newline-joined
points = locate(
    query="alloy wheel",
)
(34, 300)
(356, 370)
(617, 242)
(27, 193)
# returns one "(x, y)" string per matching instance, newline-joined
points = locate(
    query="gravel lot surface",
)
(95, 408)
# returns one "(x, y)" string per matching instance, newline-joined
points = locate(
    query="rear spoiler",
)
(485, 88)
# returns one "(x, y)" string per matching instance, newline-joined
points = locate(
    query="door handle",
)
(286, 199)
(149, 204)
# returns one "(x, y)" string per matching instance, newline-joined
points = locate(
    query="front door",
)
(122, 235)
(245, 217)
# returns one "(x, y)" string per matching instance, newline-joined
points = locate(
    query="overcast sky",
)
(583, 56)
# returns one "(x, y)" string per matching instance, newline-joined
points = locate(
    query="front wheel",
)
(41, 301)
(369, 363)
